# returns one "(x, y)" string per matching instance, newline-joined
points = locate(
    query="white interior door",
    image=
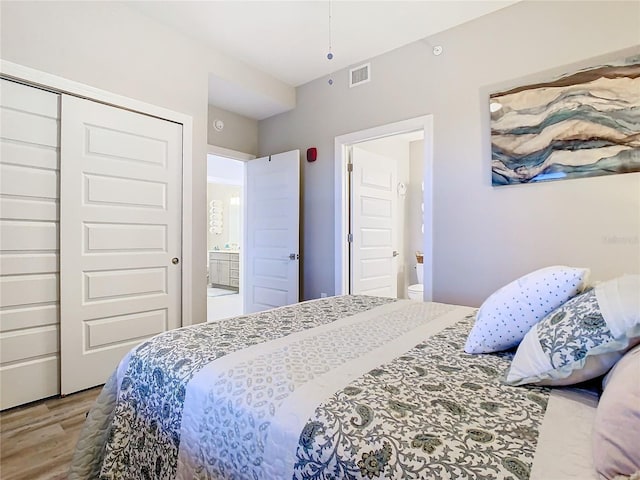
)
(120, 235)
(273, 231)
(29, 270)
(374, 180)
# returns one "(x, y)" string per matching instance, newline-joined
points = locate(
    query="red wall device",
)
(312, 154)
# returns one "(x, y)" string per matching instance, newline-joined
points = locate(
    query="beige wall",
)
(483, 236)
(109, 46)
(240, 133)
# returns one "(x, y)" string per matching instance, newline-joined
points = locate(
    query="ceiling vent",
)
(359, 75)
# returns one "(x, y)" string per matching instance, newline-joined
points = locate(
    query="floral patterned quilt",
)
(350, 387)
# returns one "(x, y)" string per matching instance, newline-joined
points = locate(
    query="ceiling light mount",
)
(330, 53)
(437, 50)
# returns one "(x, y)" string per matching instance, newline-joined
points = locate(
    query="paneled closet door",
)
(29, 272)
(120, 235)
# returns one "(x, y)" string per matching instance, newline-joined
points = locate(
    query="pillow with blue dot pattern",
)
(507, 315)
(581, 339)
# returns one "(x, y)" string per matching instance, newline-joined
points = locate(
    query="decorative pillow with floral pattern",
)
(581, 339)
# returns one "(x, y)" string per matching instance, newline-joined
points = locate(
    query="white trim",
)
(245, 241)
(342, 142)
(62, 85)
(187, 220)
(224, 181)
(228, 153)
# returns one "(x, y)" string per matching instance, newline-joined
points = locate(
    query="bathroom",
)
(407, 152)
(225, 190)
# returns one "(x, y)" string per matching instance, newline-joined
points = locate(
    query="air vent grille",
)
(359, 75)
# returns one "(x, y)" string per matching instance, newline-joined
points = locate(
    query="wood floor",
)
(37, 440)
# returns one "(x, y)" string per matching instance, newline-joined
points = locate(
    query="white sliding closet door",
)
(29, 273)
(120, 235)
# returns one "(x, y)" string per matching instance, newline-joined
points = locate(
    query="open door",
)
(373, 205)
(273, 231)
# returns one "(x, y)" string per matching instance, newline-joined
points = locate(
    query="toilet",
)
(415, 291)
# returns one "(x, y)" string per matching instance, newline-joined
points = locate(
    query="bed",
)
(348, 387)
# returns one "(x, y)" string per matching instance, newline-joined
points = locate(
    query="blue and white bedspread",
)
(351, 387)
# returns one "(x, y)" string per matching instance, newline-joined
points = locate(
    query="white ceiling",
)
(290, 39)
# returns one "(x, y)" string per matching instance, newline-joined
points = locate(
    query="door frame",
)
(341, 189)
(241, 157)
(47, 81)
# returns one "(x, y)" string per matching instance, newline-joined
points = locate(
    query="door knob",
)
(175, 260)
(395, 253)
(294, 256)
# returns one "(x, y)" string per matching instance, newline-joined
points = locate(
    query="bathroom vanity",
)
(224, 266)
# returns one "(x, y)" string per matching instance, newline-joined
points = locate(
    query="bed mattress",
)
(351, 387)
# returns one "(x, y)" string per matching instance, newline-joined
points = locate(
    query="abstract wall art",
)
(582, 124)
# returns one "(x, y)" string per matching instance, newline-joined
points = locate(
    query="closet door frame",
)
(27, 75)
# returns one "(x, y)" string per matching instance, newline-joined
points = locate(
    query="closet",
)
(90, 238)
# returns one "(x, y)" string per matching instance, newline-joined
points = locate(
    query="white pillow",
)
(507, 315)
(583, 338)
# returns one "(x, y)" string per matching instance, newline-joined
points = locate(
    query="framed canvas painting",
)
(582, 124)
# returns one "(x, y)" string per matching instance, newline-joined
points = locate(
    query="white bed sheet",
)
(564, 442)
(563, 446)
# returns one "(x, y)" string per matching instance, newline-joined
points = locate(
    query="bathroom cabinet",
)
(224, 269)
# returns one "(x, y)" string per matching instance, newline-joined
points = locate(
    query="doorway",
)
(411, 140)
(385, 215)
(268, 246)
(225, 231)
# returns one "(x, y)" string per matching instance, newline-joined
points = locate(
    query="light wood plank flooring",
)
(37, 440)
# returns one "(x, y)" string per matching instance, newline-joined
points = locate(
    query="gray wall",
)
(239, 133)
(483, 236)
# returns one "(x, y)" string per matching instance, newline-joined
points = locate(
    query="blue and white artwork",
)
(583, 124)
